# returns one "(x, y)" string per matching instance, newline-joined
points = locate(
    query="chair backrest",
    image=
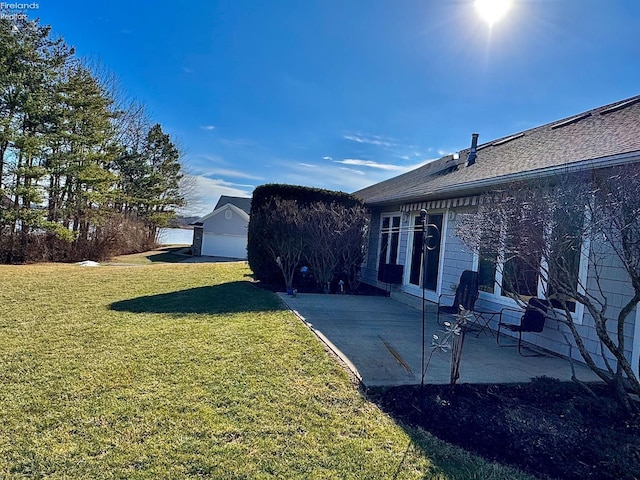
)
(534, 315)
(467, 291)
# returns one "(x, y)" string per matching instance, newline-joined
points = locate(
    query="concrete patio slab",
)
(381, 340)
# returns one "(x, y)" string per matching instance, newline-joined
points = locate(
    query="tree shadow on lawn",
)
(233, 297)
(166, 255)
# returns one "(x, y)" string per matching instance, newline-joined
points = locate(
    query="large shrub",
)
(273, 236)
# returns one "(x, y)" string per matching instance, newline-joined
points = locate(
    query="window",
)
(523, 238)
(389, 240)
(526, 259)
(520, 277)
(564, 260)
(487, 269)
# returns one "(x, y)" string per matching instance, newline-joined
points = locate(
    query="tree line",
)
(83, 171)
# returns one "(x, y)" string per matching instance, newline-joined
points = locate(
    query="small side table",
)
(482, 320)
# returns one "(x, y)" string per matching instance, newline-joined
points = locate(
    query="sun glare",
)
(492, 11)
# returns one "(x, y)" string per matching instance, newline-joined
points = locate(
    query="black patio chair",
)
(466, 295)
(532, 320)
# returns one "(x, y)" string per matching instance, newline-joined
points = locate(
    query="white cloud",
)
(352, 170)
(327, 158)
(333, 176)
(227, 172)
(371, 139)
(219, 171)
(208, 127)
(307, 165)
(214, 158)
(370, 164)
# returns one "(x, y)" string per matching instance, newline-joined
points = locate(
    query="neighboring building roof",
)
(598, 137)
(243, 203)
(226, 206)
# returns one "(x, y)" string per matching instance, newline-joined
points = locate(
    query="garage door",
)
(224, 245)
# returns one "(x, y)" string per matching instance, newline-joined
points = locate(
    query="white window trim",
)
(635, 347)
(497, 297)
(389, 215)
(410, 288)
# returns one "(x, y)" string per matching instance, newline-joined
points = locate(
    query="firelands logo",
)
(16, 11)
(19, 6)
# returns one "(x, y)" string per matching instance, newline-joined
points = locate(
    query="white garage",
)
(216, 245)
(223, 232)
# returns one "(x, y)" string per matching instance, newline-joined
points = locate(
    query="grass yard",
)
(178, 371)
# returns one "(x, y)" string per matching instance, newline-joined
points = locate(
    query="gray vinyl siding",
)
(457, 257)
(219, 224)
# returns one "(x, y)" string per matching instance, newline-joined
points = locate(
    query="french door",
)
(426, 272)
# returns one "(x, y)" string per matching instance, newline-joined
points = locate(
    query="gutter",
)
(481, 185)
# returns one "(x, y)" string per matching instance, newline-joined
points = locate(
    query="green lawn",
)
(185, 371)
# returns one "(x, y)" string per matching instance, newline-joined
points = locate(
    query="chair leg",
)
(520, 347)
(498, 337)
(520, 343)
(502, 344)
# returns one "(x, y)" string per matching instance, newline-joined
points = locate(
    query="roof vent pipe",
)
(471, 158)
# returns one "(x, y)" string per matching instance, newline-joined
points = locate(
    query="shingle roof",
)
(596, 134)
(242, 203)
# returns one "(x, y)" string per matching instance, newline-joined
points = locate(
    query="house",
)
(456, 185)
(223, 232)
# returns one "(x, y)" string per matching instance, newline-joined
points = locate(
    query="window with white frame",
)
(389, 239)
(567, 247)
(488, 258)
(526, 255)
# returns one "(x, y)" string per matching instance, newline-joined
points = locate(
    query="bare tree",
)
(334, 236)
(321, 233)
(351, 243)
(538, 234)
(285, 243)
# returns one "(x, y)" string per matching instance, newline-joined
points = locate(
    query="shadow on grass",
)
(231, 297)
(166, 255)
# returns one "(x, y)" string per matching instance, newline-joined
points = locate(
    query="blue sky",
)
(343, 94)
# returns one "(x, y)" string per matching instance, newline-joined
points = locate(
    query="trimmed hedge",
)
(260, 260)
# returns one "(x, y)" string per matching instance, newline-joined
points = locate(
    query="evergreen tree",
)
(78, 177)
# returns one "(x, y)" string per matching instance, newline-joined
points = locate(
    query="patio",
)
(380, 340)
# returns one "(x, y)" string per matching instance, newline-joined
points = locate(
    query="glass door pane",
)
(432, 261)
(432, 254)
(416, 252)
